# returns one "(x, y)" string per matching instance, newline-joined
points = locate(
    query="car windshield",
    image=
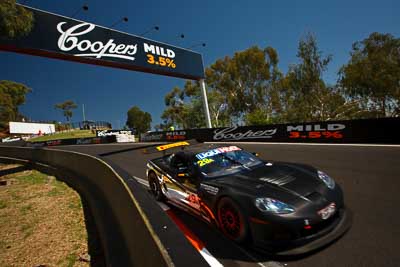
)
(224, 161)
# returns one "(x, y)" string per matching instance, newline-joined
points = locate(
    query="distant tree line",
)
(249, 88)
(15, 21)
(12, 95)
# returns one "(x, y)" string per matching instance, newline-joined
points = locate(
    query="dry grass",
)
(64, 135)
(42, 222)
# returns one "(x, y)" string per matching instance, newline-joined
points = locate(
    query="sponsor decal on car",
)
(328, 211)
(193, 198)
(164, 147)
(216, 151)
(203, 162)
(210, 189)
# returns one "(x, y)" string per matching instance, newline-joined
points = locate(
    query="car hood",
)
(281, 179)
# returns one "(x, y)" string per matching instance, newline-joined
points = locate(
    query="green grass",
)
(33, 178)
(27, 229)
(59, 188)
(19, 212)
(64, 135)
(76, 205)
(71, 259)
(25, 209)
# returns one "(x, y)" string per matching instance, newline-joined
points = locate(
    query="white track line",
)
(141, 181)
(210, 259)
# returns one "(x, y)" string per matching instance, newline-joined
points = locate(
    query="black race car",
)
(279, 207)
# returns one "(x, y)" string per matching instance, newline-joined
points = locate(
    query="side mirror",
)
(183, 174)
(255, 154)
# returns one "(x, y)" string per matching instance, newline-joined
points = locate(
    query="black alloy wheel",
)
(232, 221)
(155, 187)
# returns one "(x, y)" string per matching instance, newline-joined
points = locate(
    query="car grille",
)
(323, 225)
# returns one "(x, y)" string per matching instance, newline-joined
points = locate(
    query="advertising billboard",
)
(61, 37)
(31, 128)
(368, 131)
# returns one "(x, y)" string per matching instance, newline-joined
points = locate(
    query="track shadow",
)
(95, 249)
(13, 170)
(125, 150)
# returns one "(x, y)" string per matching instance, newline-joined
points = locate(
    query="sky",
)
(225, 26)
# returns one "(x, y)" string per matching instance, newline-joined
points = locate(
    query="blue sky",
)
(226, 27)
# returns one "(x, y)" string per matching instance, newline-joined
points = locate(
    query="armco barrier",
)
(375, 131)
(74, 141)
(132, 229)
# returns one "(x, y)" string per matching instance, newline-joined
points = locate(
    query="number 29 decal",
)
(205, 161)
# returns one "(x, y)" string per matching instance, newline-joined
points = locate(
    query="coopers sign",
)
(61, 37)
(233, 134)
(379, 131)
(69, 40)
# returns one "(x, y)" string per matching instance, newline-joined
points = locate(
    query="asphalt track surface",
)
(368, 175)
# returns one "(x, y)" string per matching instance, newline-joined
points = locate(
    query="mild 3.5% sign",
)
(157, 55)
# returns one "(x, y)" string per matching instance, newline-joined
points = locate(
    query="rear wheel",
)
(232, 221)
(155, 187)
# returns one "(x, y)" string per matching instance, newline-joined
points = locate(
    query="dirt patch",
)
(42, 222)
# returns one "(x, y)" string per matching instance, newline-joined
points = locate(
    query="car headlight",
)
(330, 183)
(273, 205)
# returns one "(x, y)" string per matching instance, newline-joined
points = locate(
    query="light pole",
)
(83, 112)
(204, 94)
(205, 103)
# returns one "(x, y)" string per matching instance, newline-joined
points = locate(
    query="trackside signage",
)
(233, 134)
(61, 37)
(378, 131)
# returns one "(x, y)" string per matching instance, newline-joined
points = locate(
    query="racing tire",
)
(232, 221)
(155, 187)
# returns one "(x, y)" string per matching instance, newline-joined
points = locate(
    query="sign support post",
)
(205, 103)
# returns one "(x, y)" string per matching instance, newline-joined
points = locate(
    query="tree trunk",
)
(383, 106)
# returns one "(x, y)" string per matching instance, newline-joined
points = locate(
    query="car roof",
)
(199, 148)
(192, 150)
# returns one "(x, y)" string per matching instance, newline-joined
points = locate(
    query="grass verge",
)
(64, 135)
(42, 222)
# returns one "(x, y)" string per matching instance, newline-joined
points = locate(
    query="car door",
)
(183, 190)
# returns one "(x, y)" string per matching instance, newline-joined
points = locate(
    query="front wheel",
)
(232, 221)
(155, 187)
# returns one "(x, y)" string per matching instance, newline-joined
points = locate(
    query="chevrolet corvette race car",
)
(279, 207)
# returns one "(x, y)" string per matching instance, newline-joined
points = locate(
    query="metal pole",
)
(205, 103)
(83, 112)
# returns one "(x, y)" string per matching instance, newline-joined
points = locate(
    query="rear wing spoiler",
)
(163, 148)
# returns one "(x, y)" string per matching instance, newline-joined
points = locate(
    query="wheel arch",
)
(150, 171)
